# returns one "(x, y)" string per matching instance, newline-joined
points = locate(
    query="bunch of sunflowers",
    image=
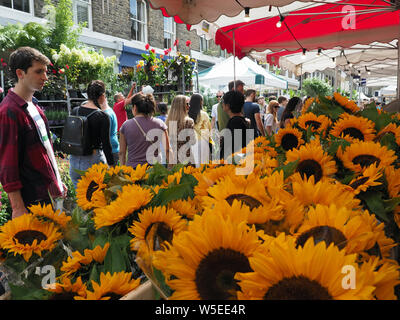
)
(316, 217)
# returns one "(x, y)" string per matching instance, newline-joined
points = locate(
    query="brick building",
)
(121, 28)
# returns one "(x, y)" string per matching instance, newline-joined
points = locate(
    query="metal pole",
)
(67, 94)
(197, 76)
(2, 83)
(234, 61)
(183, 80)
(398, 69)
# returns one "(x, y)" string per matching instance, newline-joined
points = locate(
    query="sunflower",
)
(46, 213)
(155, 226)
(264, 165)
(67, 290)
(337, 225)
(209, 177)
(307, 104)
(26, 235)
(352, 128)
(130, 199)
(317, 123)
(77, 260)
(236, 211)
(250, 191)
(111, 287)
(289, 138)
(134, 175)
(348, 105)
(173, 178)
(204, 259)
(380, 245)
(311, 272)
(368, 178)
(391, 128)
(360, 155)
(385, 276)
(89, 190)
(325, 192)
(186, 208)
(313, 161)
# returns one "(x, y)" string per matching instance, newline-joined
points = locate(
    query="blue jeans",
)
(83, 163)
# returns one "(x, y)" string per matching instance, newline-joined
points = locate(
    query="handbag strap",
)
(141, 129)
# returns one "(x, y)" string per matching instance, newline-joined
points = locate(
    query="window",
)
(169, 32)
(204, 44)
(82, 12)
(20, 5)
(138, 18)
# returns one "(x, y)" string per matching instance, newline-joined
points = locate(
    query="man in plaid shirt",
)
(27, 169)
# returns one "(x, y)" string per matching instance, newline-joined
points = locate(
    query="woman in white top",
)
(271, 122)
(202, 127)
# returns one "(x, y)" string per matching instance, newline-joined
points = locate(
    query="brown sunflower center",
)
(246, 199)
(289, 141)
(314, 124)
(358, 182)
(365, 160)
(28, 236)
(354, 133)
(297, 288)
(157, 233)
(323, 233)
(112, 295)
(310, 167)
(93, 186)
(215, 274)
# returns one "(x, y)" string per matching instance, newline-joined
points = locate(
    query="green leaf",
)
(94, 274)
(174, 192)
(159, 277)
(288, 169)
(335, 144)
(375, 204)
(80, 172)
(391, 203)
(115, 260)
(101, 239)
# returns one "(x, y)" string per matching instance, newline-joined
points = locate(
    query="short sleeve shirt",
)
(136, 143)
(120, 112)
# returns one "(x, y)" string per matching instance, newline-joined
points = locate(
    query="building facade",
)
(121, 28)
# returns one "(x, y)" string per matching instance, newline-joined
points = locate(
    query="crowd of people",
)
(180, 133)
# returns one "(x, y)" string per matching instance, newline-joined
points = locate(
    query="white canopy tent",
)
(219, 75)
(388, 91)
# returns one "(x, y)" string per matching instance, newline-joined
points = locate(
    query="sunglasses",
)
(219, 96)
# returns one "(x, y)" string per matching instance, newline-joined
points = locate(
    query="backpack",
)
(75, 138)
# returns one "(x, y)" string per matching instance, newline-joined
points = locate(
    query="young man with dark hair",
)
(283, 101)
(233, 106)
(252, 112)
(28, 168)
(221, 114)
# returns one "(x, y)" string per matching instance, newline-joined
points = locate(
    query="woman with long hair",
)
(181, 130)
(202, 126)
(135, 135)
(99, 131)
(294, 103)
(271, 122)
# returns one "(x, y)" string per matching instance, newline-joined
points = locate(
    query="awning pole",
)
(234, 61)
(398, 69)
